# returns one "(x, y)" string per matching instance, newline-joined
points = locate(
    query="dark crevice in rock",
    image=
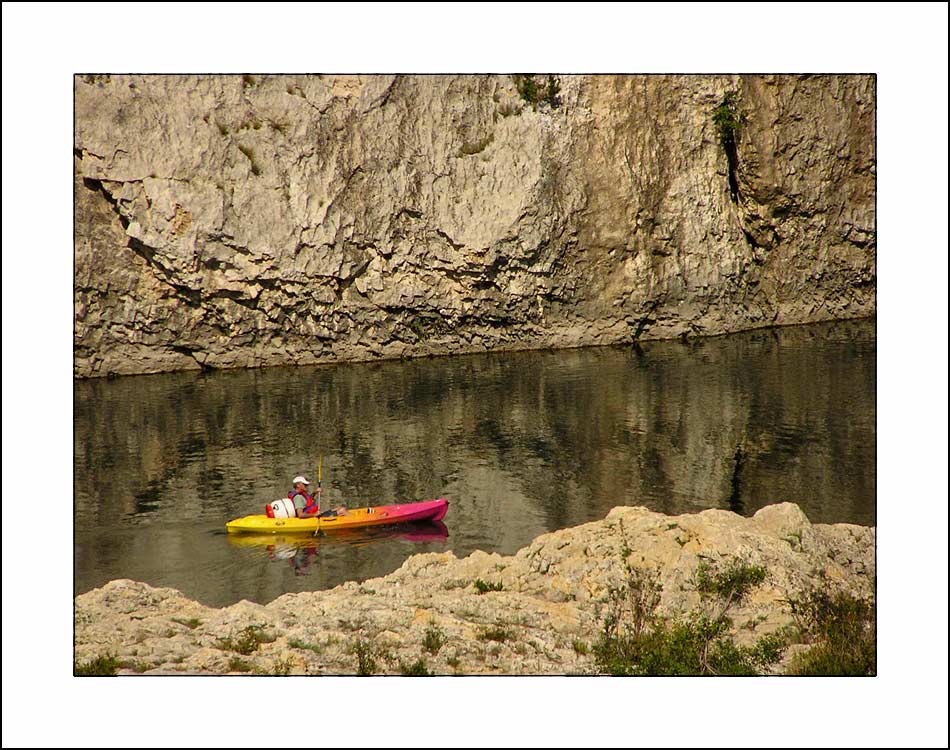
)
(345, 283)
(645, 322)
(217, 264)
(97, 185)
(750, 239)
(187, 294)
(190, 351)
(228, 241)
(411, 213)
(452, 243)
(235, 296)
(732, 157)
(735, 496)
(270, 284)
(383, 98)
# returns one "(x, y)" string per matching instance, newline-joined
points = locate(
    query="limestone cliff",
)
(232, 221)
(552, 595)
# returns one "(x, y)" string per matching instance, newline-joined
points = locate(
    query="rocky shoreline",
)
(537, 612)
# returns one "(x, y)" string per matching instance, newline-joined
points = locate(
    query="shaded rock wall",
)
(238, 221)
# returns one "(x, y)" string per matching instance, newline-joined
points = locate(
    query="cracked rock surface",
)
(549, 601)
(241, 221)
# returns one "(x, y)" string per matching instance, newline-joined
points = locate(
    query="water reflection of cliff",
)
(520, 443)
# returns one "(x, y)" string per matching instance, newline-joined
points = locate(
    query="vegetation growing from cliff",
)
(535, 93)
(434, 639)
(237, 664)
(498, 633)
(366, 653)
(247, 641)
(97, 79)
(729, 119)
(423, 326)
(635, 641)
(842, 631)
(484, 588)
(416, 669)
(101, 666)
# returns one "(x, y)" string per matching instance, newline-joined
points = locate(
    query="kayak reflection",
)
(300, 550)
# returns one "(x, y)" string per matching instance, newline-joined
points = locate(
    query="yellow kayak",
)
(430, 510)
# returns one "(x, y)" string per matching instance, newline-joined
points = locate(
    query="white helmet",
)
(301, 480)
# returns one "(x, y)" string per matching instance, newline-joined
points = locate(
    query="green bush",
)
(484, 587)
(101, 666)
(247, 641)
(728, 119)
(535, 93)
(282, 667)
(237, 664)
(417, 669)
(731, 584)
(494, 633)
(635, 641)
(841, 629)
(366, 655)
(434, 639)
(297, 643)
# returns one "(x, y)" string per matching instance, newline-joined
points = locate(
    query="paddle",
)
(320, 512)
(320, 478)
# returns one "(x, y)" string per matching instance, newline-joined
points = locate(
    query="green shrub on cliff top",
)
(842, 631)
(636, 641)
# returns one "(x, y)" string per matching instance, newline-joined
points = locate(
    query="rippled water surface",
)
(520, 444)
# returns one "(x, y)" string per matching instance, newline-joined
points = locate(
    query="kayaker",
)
(305, 504)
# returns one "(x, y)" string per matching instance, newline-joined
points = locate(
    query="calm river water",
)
(520, 444)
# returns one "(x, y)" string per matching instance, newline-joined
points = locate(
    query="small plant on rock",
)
(497, 633)
(237, 664)
(484, 587)
(416, 669)
(434, 639)
(101, 666)
(366, 655)
(247, 641)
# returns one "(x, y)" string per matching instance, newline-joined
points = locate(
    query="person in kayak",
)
(305, 504)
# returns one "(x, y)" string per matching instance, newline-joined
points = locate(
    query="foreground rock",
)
(241, 221)
(542, 621)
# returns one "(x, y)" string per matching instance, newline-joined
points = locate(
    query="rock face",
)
(236, 221)
(542, 620)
